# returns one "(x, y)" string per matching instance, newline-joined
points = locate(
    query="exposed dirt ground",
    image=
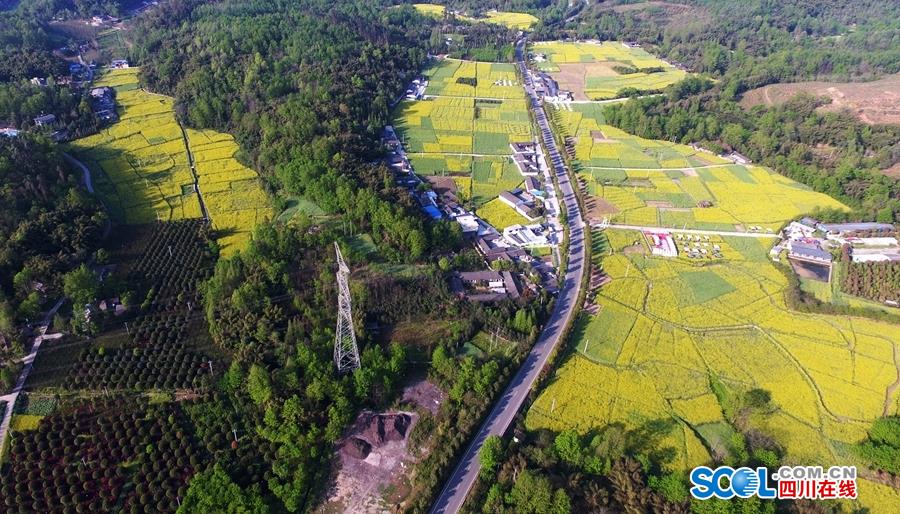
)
(373, 456)
(597, 208)
(573, 76)
(893, 171)
(872, 102)
(424, 394)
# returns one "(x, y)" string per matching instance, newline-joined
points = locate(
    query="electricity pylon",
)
(346, 354)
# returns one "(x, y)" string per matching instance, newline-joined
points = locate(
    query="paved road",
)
(457, 488)
(761, 235)
(84, 170)
(28, 363)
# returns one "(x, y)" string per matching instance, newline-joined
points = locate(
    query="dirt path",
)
(889, 392)
(760, 235)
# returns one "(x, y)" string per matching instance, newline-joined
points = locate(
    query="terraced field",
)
(590, 71)
(658, 183)
(141, 167)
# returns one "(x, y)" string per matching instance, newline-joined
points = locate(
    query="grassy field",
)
(141, 169)
(670, 331)
(588, 69)
(658, 183)
(466, 138)
(512, 20)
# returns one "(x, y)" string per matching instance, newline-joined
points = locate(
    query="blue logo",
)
(726, 482)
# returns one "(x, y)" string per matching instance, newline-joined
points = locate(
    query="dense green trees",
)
(48, 223)
(214, 491)
(751, 43)
(81, 285)
(882, 448)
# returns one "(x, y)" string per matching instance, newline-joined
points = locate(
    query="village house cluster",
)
(811, 243)
(498, 248)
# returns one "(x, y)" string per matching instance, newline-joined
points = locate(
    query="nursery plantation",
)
(141, 166)
(598, 71)
(661, 184)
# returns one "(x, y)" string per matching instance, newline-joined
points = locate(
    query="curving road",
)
(498, 421)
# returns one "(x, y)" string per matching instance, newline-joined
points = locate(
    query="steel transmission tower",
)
(346, 354)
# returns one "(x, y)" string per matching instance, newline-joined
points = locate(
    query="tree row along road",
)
(510, 401)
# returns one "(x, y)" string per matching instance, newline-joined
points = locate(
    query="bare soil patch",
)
(871, 102)
(597, 208)
(441, 185)
(599, 137)
(634, 249)
(424, 394)
(660, 204)
(893, 171)
(573, 76)
(689, 172)
(372, 457)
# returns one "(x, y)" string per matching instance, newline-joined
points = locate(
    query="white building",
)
(662, 244)
(529, 236)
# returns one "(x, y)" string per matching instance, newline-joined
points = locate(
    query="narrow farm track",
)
(759, 235)
(891, 389)
(28, 363)
(511, 400)
(190, 156)
(86, 173)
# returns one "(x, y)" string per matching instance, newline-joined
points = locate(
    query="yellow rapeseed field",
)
(141, 167)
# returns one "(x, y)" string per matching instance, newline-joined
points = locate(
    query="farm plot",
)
(454, 77)
(660, 183)
(121, 440)
(168, 346)
(668, 328)
(598, 71)
(512, 20)
(467, 139)
(231, 191)
(142, 170)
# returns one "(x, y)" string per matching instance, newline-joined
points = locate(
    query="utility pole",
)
(346, 353)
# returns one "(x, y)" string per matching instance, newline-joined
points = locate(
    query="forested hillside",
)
(305, 90)
(750, 42)
(47, 224)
